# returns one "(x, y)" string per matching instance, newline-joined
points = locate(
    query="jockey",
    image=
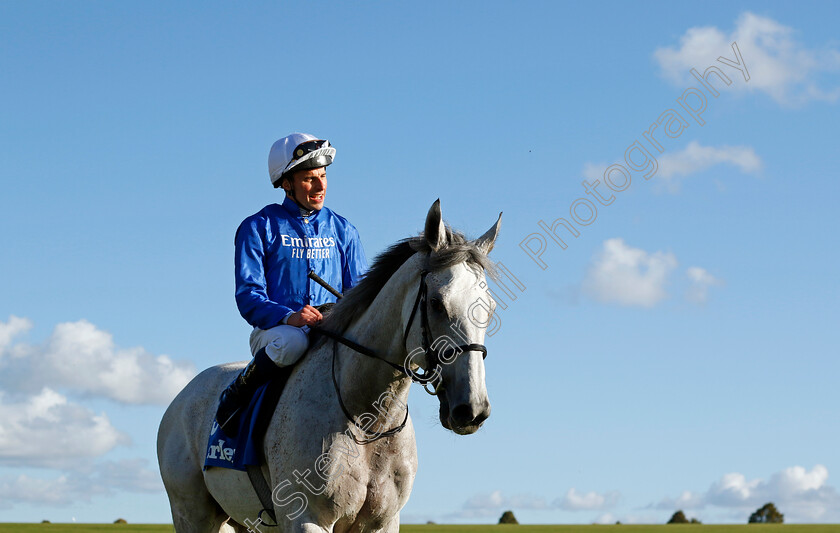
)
(276, 249)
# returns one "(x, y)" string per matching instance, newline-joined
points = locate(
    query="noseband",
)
(431, 375)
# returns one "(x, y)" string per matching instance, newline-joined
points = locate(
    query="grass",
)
(86, 528)
(682, 528)
(409, 528)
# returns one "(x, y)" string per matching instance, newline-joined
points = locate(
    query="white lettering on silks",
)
(315, 247)
(312, 242)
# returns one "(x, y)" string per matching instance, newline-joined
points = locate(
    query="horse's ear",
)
(485, 242)
(435, 230)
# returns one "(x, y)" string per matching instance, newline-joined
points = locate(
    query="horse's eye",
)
(436, 304)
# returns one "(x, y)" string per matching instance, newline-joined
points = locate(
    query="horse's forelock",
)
(458, 249)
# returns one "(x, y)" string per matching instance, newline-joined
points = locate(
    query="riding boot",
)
(236, 397)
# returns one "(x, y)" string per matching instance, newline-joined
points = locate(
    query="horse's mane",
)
(457, 249)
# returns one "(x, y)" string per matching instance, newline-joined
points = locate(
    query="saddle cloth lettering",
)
(246, 448)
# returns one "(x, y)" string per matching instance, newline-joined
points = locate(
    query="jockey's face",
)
(308, 187)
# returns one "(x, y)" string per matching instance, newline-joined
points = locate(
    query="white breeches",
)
(283, 344)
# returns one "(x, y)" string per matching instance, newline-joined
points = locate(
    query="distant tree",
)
(508, 518)
(120, 521)
(45, 521)
(767, 515)
(695, 521)
(678, 518)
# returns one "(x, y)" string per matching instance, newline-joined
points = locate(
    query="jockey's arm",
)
(353, 260)
(251, 295)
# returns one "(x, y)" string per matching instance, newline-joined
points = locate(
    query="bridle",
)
(432, 375)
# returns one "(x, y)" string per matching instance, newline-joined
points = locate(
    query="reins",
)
(373, 435)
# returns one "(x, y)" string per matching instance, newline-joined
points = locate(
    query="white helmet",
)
(298, 151)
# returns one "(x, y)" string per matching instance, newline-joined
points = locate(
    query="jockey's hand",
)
(308, 316)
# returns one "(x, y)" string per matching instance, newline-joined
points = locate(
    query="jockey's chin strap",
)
(431, 375)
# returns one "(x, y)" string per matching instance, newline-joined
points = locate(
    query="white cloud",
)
(130, 475)
(82, 358)
(127, 474)
(480, 506)
(802, 495)
(686, 500)
(591, 501)
(9, 330)
(492, 504)
(696, 158)
(42, 426)
(489, 504)
(629, 276)
(701, 281)
(777, 63)
(594, 171)
(606, 519)
(47, 430)
(58, 491)
(493, 500)
(674, 166)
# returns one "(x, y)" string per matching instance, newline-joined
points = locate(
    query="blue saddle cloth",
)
(246, 448)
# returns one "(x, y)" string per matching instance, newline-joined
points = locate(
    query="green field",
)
(753, 528)
(680, 528)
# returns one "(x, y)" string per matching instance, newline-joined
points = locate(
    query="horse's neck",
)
(363, 379)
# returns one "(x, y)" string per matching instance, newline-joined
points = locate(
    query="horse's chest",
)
(377, 484)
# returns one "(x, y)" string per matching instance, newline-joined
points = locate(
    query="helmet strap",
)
(291, 194)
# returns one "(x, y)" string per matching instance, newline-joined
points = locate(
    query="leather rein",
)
(431, 376)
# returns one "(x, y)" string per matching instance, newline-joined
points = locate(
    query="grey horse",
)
(340, 450)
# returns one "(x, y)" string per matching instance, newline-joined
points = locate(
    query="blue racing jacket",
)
(275, 250)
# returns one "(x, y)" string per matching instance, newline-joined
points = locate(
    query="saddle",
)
(245, 452)
(246, 448)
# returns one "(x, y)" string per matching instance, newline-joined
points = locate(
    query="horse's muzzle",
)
(465, 418)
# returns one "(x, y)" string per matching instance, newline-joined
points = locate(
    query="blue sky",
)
(681, 352)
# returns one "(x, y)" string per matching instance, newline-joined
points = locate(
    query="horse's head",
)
(454, 307)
